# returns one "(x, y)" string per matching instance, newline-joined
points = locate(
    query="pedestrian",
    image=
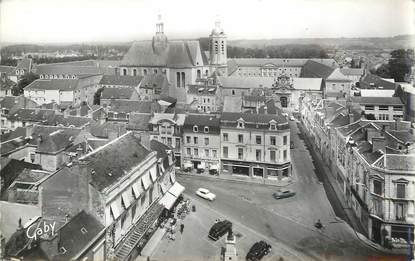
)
(181, 228)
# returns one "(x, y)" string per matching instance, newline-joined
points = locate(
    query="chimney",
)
(378, 143)
(265, 110)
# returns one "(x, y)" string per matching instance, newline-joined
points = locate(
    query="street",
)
(287, 221)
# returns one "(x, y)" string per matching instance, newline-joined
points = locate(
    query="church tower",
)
(159, 40)
(217, 50)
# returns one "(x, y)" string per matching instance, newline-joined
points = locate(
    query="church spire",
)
(159, 25)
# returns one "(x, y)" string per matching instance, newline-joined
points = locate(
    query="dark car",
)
(283, 193)
(219, 229)
(258, 251)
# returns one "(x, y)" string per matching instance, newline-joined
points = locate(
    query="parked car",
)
(206, 194)
(258, 251)
(283, 193)
(219, 229)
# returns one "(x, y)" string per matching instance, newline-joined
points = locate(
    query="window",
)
(195, 129)
(134, 72)
(177, 79)
(258, 140)
(145, 72)
(206, 129)
(178, 143)
(240, 124)
(169, 141)
(272, 126)
(284, 141)
(183, 79)
(377, 187)
(206, 141)
(400, 190)
(233, 92)
(383, 107)
(400, 211)
(285, 155)
(155, 71)
(124, 71)
(397, 108)
(225, 137)
(195, 140)
(273, 140)
(258, 155)
(188, 151)
(225, 152)
(240, 153)
(196, 152)
(206, 153)
(383, 116)
(199, 74)
(188, 138)
(369, 107)
(240, 138)
(272, 155)
(214, 153)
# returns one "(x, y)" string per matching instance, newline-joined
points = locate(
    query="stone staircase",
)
(137, 232)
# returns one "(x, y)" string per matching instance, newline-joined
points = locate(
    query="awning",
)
(201, 165)
(176, 189)
(115, 209)
(145, 181)
(153, 175)
(168, 200)
(172, 178)
(126, 198)
(187, 165)
(136, 189)
(214, 167)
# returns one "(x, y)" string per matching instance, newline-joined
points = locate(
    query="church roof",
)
(178, 53)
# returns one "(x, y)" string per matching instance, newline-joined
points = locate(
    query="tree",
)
(23, 82)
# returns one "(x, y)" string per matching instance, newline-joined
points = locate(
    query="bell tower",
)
(217, 49)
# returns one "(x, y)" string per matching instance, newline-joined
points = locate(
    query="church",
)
(183, 62)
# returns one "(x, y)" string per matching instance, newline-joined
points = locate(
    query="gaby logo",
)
(39, 229)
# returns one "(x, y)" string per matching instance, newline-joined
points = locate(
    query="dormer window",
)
(241, 124)
(62, 250)
(195, 129)
(206, 129)
(272, 126)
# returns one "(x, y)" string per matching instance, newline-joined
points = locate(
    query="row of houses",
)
(371, 162)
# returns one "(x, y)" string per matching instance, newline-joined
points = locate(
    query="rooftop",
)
(109, 163)
(313, 69)
(53, 84)
(118, 93)
(125, 80)
(371, 81)
(201, 121)
(377, 100)
(202, 90)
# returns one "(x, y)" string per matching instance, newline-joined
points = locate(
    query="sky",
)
(62, 21)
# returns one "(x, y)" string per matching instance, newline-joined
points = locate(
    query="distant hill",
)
(396, 42)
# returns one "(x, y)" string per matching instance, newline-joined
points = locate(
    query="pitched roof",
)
(313, 69)
(104, 130)
(287, 62)
(402, 136)
(125, 80)
(75, 235)
(202, 121)
(118, 93)
(245, 82)
(253, 119)
(177, 118)
(232, 104)
(32, 176)
(10, 146)
(7, 69)
(6, 83)
(202, 90)
(13, 103)
(114, 160)
(337, 75)
(352, 71)
(376, 93)
(158, 82)
(53, 84)
(139, 122)
(315, 84)
(178, 53)
(57, 141)
(50, 69)
(397, 162)
(34, 115)
(18, 132)
(12, 168)
(377, 100)
(371, 81)
(128, 106)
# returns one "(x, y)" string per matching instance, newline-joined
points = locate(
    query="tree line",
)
(398, 66)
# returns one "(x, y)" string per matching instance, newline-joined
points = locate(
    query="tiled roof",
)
(371, 81)
(96, 143)
(201, 121)
(32, 176)
(125, 80)
(178, 53)
(7, 69)
(18, 132)
(12, 145)
(377, 100)
(25, 63)
(128, 106)
(104, 130)
(337, 75)
(402, 136)
(352, 71)
(53, 84)
(202, 90)
(34, 115)
(250, 118)
(245, 82)
(114, 160)
(13, 103)
(313, 69)
(397, 162)
(270, 107)
(118, 93)
(57, 141)
(50, 69)
(288, 62)
(158, 82)
(75, 235)
(13, 168)
(315, 84)
(178, 119)
(139, 122)
(232, 104)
